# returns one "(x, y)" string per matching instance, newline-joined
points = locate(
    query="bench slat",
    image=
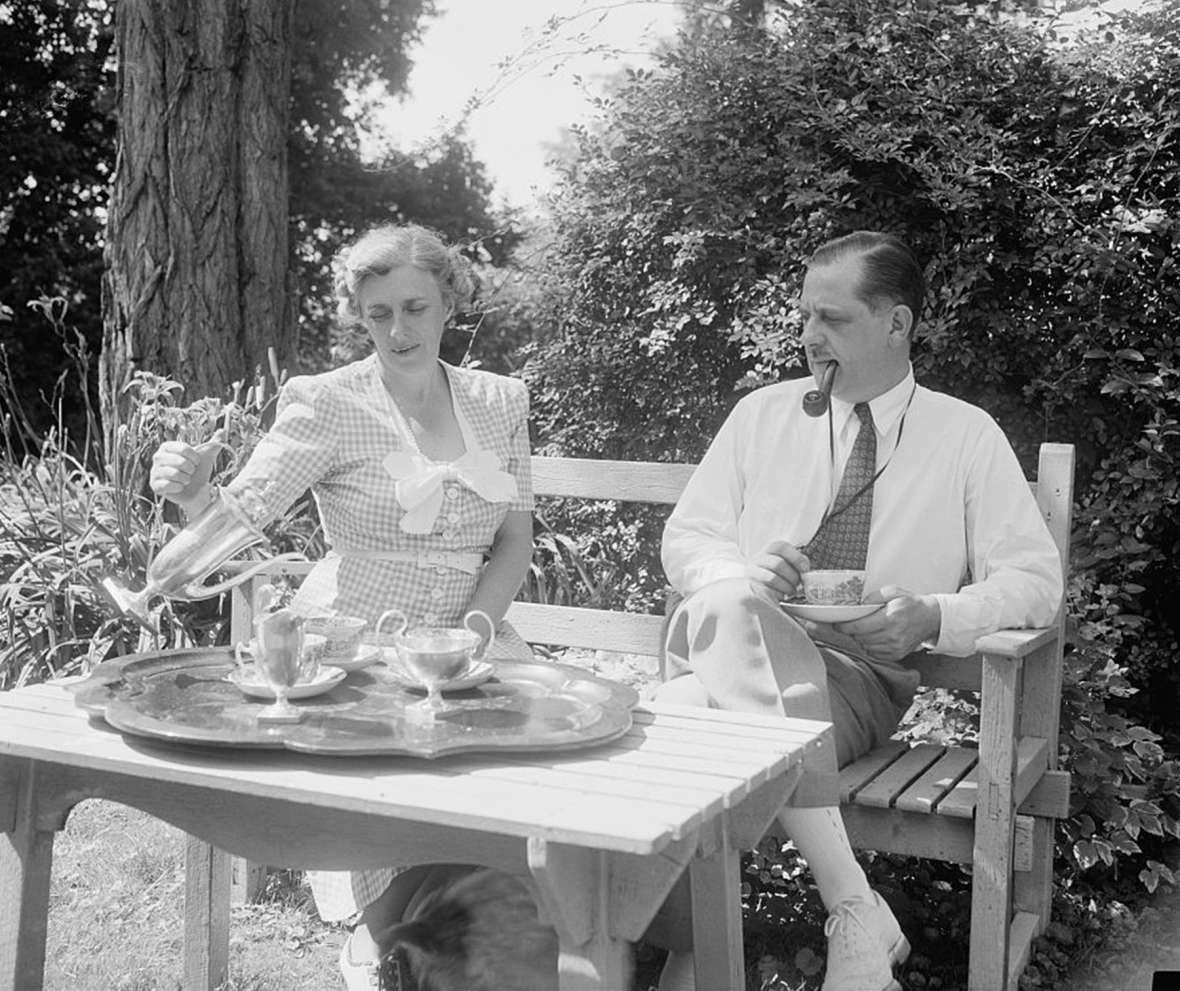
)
(594, 629)
(925, 793)
(893, 831)
(862, 770)
(943, 671)
(882, 791)
(622, 481)
(959, 802)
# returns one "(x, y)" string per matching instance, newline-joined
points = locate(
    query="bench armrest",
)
(1015, 643)
(946, 671)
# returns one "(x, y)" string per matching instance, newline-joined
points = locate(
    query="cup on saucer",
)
(342, 636)
(832, 587)
(307, 668)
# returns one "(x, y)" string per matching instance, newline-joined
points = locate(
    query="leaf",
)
(1124, 844)
(1085, 854)
(808, 962)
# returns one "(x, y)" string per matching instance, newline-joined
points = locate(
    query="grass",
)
(116, 914)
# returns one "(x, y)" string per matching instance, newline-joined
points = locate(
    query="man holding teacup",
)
(915, 490)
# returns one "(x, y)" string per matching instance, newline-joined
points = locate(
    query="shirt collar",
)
(887, 408)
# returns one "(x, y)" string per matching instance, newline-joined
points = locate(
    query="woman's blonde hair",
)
(382, 249)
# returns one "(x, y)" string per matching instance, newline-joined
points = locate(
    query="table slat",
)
(648, 788)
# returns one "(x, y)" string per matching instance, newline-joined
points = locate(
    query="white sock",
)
(678, 974)
(821, 839)
(360, 946)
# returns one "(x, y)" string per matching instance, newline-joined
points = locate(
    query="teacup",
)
(311, 653)
(831, 587)
(342, 635)
(435, 654)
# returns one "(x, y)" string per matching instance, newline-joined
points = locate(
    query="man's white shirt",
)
(953, 514)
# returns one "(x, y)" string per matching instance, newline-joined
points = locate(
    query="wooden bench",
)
(994, 807)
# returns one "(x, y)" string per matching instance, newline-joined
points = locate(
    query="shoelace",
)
(845, 912)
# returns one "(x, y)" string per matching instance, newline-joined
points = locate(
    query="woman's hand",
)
(508, 562)
(180, 473)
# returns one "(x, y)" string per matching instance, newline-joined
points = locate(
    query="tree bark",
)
(196, 284)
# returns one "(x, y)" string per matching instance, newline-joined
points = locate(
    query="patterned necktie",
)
(843, 537)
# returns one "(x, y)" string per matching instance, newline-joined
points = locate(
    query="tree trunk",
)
(196, 285)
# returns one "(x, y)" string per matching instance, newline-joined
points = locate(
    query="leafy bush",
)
(601, 555)
(1125, 792)
(1033, 175)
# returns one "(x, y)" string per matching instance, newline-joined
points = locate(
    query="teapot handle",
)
(195, 590)
(239, 649)
(395, 614)
(479, 613)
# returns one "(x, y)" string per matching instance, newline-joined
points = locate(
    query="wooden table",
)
(604, 832)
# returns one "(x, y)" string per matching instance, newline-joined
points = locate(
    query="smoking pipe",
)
(815, 401)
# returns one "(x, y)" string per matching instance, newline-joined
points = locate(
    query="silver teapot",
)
(226, 526)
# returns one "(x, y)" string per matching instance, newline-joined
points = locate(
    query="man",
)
(920, 490)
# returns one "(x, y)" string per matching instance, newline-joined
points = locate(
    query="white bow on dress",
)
(419, 489)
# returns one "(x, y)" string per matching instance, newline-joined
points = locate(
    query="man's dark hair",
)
(890, 270)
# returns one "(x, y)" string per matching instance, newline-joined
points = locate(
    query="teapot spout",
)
(133, 604)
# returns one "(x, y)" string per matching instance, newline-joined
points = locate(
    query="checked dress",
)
(341, 434)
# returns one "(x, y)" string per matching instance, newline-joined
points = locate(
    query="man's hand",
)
(778, 566)
(906, 622)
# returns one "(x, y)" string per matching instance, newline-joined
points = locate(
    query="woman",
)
(404, 455)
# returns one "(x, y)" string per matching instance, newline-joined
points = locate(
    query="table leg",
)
(26, 862)
(206, 915)
(573, 885)
(714, 878)
(715, 885)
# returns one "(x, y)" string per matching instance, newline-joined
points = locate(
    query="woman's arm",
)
(508, 562)
(295, 452)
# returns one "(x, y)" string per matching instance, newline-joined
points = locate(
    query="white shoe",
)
(865, 943)
(362, 976)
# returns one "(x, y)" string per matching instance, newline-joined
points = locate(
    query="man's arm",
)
(1017, 573)
(701, 538)
(700, 542)
(1017, 579)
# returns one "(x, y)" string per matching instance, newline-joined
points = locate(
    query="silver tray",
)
(183, 696)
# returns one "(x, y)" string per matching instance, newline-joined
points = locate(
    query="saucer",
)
(477, 674)
(327, 678)
(830, 614)
(366, 654)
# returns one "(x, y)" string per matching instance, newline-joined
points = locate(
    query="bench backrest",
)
(641, 481)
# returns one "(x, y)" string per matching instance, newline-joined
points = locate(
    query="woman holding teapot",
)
(420, 470)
